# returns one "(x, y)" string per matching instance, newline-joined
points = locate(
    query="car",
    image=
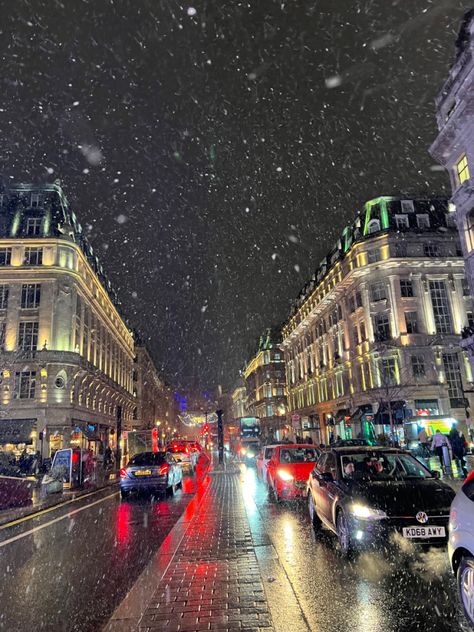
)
(185, 453)
(262, 459)
(349, 443)
(369, 495)
(288, 470)
(154, 472)
(249, 450)
(461, 545)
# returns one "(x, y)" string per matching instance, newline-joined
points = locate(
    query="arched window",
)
(373, 226)
(470, 230)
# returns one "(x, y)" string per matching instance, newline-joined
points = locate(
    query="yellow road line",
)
(41, 512)
(47, 524)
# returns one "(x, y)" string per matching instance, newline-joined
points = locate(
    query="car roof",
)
(353, 449)
(296, 445)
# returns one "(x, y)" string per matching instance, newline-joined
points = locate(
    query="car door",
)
(267, 455)
(316, 483)
(270, 470)
(328, 489)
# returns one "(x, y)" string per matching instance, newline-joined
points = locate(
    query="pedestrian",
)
(309, 440)
(439, 442)
(458, 445)
(423, 439)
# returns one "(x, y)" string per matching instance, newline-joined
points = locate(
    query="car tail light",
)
(123, 472)
(163, 469)
(469, 477)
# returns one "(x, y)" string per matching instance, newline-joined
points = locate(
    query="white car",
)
(461, 545)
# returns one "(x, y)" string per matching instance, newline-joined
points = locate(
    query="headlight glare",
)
(284, 475)
(364, 512)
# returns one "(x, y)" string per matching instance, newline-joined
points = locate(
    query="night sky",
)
(214, 150)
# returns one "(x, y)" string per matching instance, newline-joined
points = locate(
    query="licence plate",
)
(142, 473)
(424, 532)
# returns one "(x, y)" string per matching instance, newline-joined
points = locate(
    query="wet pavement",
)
(67, 570)
(395, 592)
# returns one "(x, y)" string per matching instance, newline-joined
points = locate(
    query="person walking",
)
(458, 444)
(423, 439)
(439, 442)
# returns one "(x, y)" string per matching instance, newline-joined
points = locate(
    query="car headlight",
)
(284, 475)
(250, 454)
(358, 510)
(243, 451)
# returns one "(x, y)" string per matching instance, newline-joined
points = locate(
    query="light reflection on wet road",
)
(378, 592)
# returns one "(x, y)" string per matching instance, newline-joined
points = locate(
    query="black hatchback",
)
(367, 495)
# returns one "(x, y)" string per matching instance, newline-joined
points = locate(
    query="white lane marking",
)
(47, 524)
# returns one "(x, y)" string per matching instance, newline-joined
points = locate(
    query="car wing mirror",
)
(435, 474)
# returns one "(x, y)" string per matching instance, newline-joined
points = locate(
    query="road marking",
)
(47, 524)
(12, 523)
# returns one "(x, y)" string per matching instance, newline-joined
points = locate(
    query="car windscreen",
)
(298, 455)
(382, 466)
(148, 458)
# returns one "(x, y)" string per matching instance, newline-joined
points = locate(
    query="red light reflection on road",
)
(123, 525)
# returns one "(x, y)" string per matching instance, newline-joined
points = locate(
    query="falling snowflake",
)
(121, 219)
(191, 11)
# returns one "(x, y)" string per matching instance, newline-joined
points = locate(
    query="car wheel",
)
(315, 521)
(343, 533)
(465, 579)
(124, 493)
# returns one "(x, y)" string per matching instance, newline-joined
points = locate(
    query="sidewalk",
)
(207, 574)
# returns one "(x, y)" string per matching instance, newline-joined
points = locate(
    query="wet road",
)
(374, 593)
(67, 570)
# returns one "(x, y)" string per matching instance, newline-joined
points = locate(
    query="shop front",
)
(17, 444)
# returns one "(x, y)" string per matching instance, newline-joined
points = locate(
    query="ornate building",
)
(265, 385)
(454, 148)
(374, 335)
(66, 354)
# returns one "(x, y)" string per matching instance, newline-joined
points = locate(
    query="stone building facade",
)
(266, 387)
(66, 354)
(373, 339)
(454, 148)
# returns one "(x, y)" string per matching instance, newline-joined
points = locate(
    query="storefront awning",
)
(16, 430)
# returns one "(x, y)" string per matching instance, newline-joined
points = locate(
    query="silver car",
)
(461, 545)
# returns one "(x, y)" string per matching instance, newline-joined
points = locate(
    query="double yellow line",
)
(41, 512)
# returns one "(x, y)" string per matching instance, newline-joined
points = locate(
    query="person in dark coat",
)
(458, 446)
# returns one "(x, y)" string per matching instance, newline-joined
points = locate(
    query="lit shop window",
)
(462, 169)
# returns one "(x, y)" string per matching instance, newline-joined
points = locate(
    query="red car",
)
(289, 468)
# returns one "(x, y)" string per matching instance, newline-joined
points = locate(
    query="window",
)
(378, 291)
(373, 226)
(406, 288)
(373, 256)
(269, 410)
(452, 371)
(388, 372)
(277, 356)
(401, 249)
(407, 206)
(402, 221)
(28, 336)
(465, 287)
(411, 321)
(33, 226)
(462, 169)
(33, 256)
(363, 335)
(351, 302)
(431, 250)
(30, 295)
(267, 390)
(3, 296)
(423, 221)
(3, 328)
(5, 256)
(470, 319)
(25, 384)
(36, 200)
(441, 311)
(358, 299)
(418, 366)
(382, 327)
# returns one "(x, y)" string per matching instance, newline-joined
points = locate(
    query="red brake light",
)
(123, 472)
(75, 457)
(164, 469)
(469, 477)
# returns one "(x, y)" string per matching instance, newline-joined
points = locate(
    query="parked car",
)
(288, 470)
(262, 459)
(461, 545)
(153, 472)
(185, 453)
(365, 495)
